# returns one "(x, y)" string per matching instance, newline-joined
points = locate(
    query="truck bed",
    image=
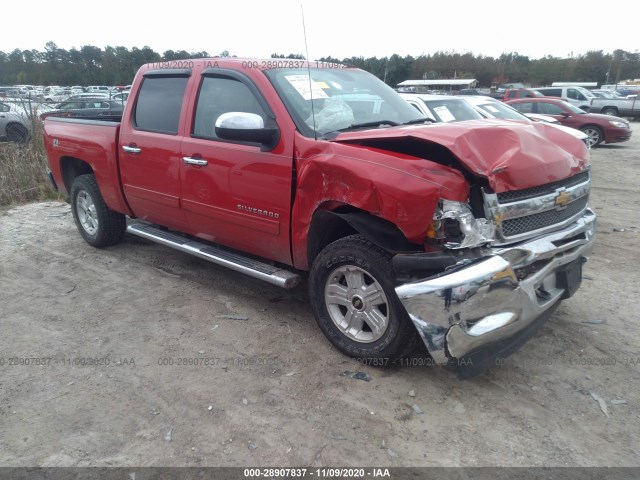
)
(94, 140)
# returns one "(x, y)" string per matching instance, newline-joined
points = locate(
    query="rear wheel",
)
(610, 111)
(594, 134)
(355, 303)
(98, 225)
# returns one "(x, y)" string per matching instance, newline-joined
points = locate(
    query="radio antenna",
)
(306, 49)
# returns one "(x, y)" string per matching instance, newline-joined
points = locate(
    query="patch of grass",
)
(23, 171)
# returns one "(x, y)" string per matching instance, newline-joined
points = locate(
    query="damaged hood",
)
(511, 155)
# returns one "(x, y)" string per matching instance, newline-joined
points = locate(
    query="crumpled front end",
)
(479, 310)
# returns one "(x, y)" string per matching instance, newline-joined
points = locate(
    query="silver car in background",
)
(14, 123)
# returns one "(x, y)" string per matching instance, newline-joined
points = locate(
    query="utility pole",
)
(613, 55)
(386, 64)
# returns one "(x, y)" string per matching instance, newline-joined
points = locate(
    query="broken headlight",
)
(455, 227)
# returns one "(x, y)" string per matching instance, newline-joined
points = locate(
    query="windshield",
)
(500, 110)
(572, 107)
(454, 110)
(339, 99)
(585, 92)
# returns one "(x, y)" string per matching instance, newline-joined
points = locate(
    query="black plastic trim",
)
(168, 72)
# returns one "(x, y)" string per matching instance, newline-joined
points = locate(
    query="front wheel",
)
(351, 286)
(98, 225)
(594, 134)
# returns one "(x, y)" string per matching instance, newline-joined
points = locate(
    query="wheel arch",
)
(327, 226)
(21, 127)
(72, 167)
(592, 125)
(610, 107)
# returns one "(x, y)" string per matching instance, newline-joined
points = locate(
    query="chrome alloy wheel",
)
(357, 304)
(594, 136)
(87, 214)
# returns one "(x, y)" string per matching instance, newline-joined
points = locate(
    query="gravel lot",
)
(266, 387)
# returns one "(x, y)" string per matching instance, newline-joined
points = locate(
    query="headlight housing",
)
(618, 124)
(455, 226)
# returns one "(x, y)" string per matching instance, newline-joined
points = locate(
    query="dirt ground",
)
(97, 353)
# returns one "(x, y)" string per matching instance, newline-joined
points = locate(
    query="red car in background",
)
(513, 93)
(599, 128)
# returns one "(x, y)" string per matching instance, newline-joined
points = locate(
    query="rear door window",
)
(549, 109)
(551, 92)
(159, 103)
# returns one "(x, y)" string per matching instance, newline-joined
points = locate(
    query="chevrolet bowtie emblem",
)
(563, 199)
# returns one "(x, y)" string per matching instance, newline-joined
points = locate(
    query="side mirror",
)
(246, 127)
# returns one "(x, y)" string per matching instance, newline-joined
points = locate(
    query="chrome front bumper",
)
(471, 307)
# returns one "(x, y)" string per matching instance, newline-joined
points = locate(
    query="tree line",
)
(91, 65)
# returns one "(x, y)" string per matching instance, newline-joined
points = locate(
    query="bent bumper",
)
(488, 304)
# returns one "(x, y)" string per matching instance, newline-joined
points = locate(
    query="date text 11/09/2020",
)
(65, 361)
(316, 472)
(570, 361)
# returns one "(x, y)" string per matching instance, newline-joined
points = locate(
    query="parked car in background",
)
(442, 108)
(59, 95)
(491, 108)
(578, 96)
(51, 88)
(599, 128)
(616, 94)
(77, 96)
(604, 94)
(627, 92)
(14, 124)
(623, 107)
(512, 93)
(97, 89)
(86, 107)
(121, 97)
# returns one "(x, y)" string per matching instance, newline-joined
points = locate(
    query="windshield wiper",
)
(354, 126)
(419, 120)
(375, 123)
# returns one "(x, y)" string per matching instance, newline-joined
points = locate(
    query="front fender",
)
(399, 189)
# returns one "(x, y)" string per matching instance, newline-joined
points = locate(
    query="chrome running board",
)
(234, 261)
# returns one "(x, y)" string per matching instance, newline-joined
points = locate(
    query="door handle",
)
(195, 161)
(131, 149)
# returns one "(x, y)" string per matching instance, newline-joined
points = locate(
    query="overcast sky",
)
(341, 28)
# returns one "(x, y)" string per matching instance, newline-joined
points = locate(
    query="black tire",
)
(99, 226)
(17, 133)
(595, 135)
(610, 111)
(363, 275)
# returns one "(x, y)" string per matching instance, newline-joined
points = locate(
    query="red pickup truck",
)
(462, 235)
(513, 93)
